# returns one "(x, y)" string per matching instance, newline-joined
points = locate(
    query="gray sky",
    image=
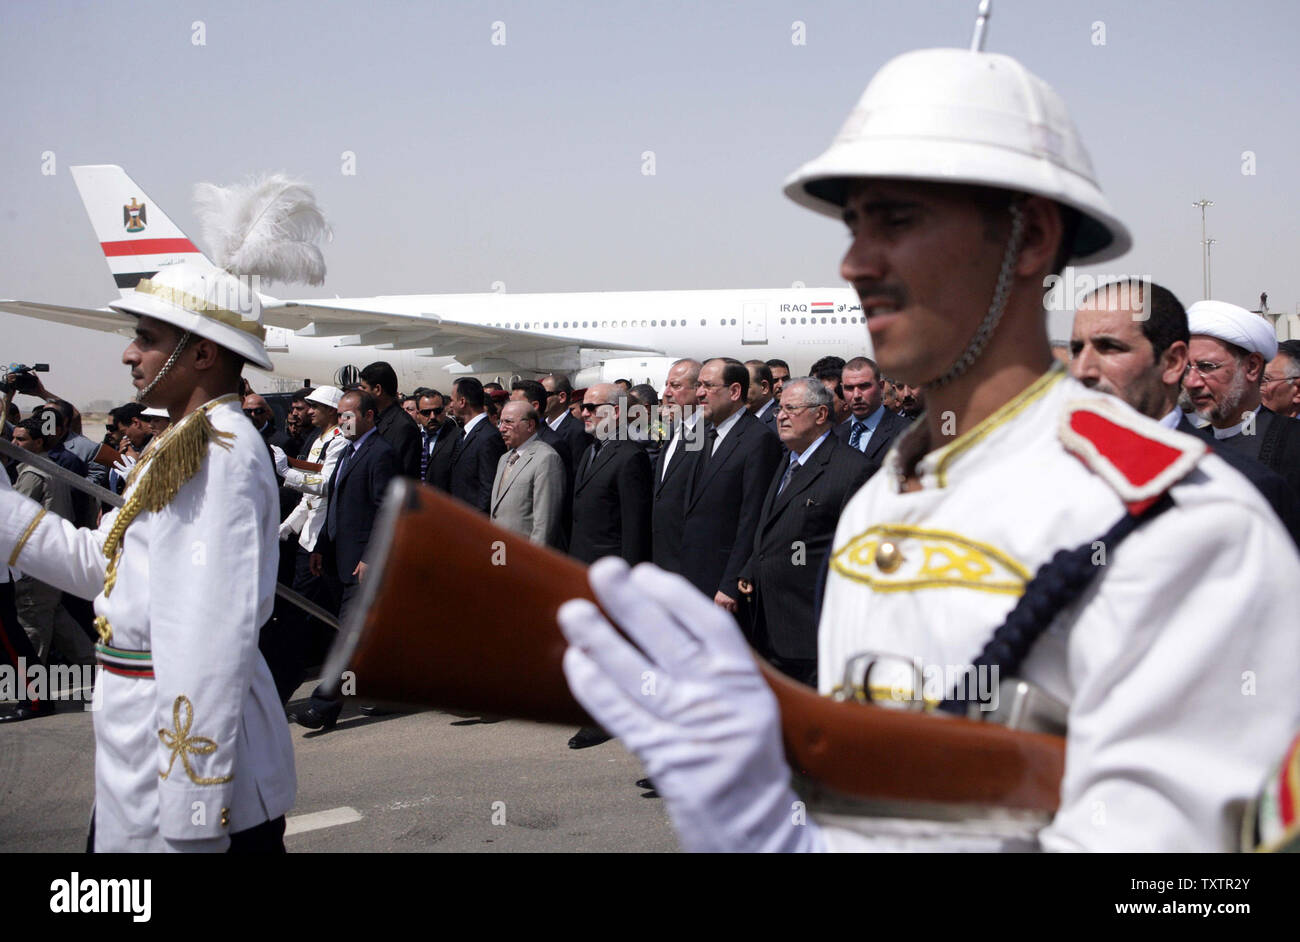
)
(522, 162)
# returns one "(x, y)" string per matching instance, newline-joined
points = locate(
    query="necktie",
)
(591, 458)
(424, 453)
(706, 453)
(332, 511)
(514, 456)
(789, 473)
(855, 434)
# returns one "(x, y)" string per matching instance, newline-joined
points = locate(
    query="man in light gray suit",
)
(528, 492)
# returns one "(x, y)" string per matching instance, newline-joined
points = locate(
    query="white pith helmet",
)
(327, 396)
(957, 116)
(207, 301)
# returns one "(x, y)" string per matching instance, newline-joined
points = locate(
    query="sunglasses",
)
(428, 412)
(252, 412)
(593, 406)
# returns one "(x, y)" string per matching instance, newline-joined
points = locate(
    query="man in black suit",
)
(870, 428)
(611, 494)
(355, 491)
(474, 457)
(727, 482)
(1130, 339)
(1228, 351)
(395, 426)
(559, 397)
(441, 433)
(611, 499)
(780, 373)
(681, 409)
(796, 527)
(762, 398)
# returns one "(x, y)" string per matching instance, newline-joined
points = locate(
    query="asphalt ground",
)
(415, 782)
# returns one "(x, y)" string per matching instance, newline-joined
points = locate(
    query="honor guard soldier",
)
(192, 751)
(1024, 528)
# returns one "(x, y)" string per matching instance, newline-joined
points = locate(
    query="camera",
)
(20, 378)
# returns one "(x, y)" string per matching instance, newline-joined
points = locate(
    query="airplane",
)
(590, 337)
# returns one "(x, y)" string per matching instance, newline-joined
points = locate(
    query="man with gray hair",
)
(1279, 389)
(680, 410)
(528, 491)
(795, 528)
(1228, 352)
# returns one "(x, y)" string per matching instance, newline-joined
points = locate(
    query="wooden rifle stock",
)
(313, 467)
(459, 614)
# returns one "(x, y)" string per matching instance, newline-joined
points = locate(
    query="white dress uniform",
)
(308, 516)
(191, 743)
(1178, 663)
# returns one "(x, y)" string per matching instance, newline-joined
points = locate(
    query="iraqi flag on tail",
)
(136, 236)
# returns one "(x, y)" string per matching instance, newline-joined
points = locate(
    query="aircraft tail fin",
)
(137, 237)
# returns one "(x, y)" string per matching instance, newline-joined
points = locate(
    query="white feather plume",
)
(266, 226)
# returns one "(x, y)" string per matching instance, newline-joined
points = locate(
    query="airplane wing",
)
(94, 318)
(428, 334)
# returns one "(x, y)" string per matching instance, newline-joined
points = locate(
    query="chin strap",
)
(1001, 292)
(171, 361)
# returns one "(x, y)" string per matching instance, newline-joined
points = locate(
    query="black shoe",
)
(315, 719)
(645, 784)
(27, 711)
(371, 710)
(588, 736)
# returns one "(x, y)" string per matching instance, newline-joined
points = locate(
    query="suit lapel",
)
(525, 456)
(803, 477)
(720, 454)
(680, 454)
(603, 457)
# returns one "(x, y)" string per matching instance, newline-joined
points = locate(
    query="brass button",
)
(888, 557)
(225, 817)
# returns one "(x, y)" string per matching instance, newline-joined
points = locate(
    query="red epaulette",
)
(1139, 458)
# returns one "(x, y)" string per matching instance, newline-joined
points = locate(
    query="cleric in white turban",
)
(1234, 325)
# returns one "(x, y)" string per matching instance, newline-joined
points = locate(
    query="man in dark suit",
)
(441, 433)
(395, 426)
(727, 482)
(796, 526)
(1130, 339)
(611, 499)
(762, 398)
(1228, 351)
(355, 491)
(611, 495)
(474, 457)
(870, 428)
(559, 399)
(681, 408)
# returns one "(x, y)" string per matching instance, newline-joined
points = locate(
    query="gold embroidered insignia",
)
(895, 558)
(181, 743)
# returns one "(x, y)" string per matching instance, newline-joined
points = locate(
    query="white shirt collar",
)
(1171, 420)
(727, 425)
(1252, 416)
(555, 422)
(763, 411)
(474, 421)
(807, 452)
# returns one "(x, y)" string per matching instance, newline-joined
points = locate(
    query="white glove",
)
(281, 460)
(124, 465)
(693, 708)
(286, 530)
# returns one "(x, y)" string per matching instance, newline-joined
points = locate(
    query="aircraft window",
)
(703, 322)
(625, 323)
(584, 325)
(783, 321)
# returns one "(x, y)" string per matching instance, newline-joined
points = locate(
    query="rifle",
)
(493, 645)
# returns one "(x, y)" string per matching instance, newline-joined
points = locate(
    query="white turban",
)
(1232, 324)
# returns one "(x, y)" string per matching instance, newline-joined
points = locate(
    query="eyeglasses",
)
(1279, 379)
(593, 406)
(429, 412)
(1206, 368)
(702, 383)
(791, 410)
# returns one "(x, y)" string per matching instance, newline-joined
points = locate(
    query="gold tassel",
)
(167, 464)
